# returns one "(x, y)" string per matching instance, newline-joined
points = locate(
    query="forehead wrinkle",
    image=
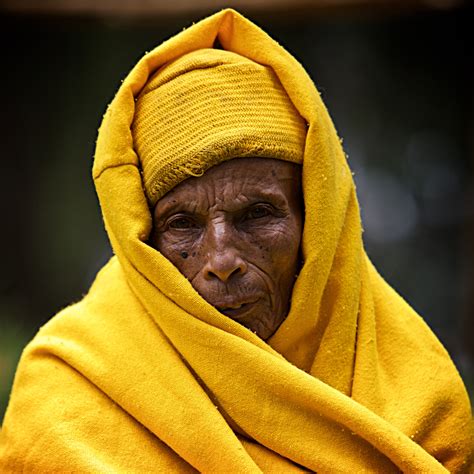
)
(234, 195)
(222, 188)
(242, 196)
(178, 200)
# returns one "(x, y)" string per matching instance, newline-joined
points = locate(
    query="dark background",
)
(398, 83)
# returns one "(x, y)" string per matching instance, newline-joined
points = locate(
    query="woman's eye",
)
(257, 212)
(181, 223)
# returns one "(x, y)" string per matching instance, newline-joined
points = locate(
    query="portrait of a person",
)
(240, 325)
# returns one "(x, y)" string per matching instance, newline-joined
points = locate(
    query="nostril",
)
(236, 271)
(222, 275)
(224, 272)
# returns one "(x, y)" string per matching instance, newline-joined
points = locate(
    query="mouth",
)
(235, 310)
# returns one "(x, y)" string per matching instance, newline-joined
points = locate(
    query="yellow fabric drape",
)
(144, 375)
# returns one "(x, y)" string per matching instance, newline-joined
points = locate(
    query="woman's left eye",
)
(181, 223)
(257, 212)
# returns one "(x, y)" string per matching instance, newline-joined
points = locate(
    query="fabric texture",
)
(206, 107)
(144, 375)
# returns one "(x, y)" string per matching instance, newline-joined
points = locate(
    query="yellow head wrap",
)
(206, 107)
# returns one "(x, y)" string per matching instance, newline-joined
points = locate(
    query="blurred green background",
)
(398, 83)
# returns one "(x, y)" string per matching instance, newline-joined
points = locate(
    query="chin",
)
(263, 323)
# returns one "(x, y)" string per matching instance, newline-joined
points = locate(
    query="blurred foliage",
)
(399, 90)
(13, 337)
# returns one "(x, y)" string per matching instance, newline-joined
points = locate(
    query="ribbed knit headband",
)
(206, 107)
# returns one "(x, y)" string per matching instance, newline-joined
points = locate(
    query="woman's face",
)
(235, 234)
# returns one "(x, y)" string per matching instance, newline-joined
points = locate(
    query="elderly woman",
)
(240, 326)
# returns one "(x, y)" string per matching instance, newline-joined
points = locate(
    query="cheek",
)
(182, 251)
(278, 246)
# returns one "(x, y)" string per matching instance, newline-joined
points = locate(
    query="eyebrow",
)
(168, 207)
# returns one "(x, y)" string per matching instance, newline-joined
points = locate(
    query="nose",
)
(223, 259)
(223, 266)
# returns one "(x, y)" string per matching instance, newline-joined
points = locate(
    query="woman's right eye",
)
(181, 223)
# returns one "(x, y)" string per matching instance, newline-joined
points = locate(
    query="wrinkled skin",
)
(235, 234)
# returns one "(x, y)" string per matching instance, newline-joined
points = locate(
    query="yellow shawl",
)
(144, 375)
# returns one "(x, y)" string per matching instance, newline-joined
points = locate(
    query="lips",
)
(235, 310)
